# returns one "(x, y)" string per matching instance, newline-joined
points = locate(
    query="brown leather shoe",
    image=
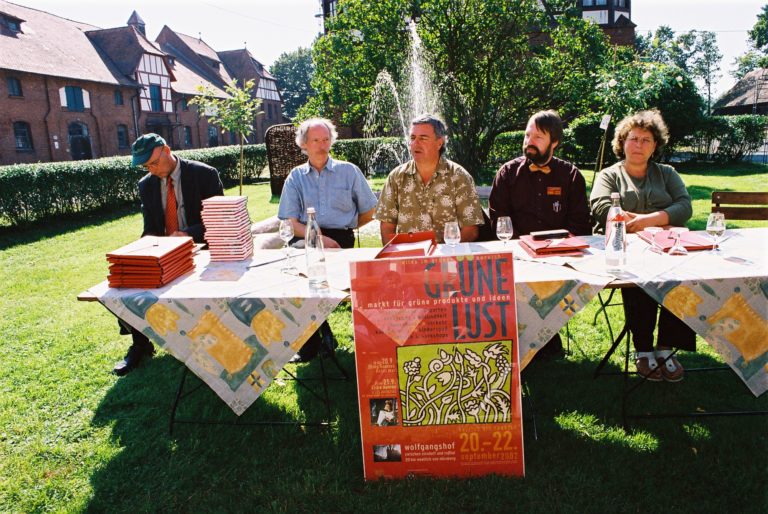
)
(644, 369)
(671, 369)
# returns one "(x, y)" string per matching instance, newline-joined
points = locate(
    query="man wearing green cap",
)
(172, 195)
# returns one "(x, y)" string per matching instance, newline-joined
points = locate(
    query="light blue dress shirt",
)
(339, 193)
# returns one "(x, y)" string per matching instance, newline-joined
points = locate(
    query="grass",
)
(75, 438)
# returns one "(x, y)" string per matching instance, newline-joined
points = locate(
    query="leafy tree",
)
(632, 85)
(705, 62)
(294, 71)
(695, 53)
(493, 63)
(362, 39)
(757, 55)
(751, 60)
(759, 33)
(235, 113)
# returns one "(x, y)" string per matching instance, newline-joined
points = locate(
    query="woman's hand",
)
(638, 222)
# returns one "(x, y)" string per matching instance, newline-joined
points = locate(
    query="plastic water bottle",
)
(313, 244)
(615, 236)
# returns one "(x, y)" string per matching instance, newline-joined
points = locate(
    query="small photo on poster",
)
(387, 453)
(384, 412)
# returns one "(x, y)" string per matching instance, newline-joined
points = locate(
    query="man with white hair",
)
(337, 190)
(342, 199)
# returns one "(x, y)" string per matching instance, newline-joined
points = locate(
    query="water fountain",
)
(390, 111)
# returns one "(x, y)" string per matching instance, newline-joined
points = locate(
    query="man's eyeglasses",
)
(640, 140)
(153, 163)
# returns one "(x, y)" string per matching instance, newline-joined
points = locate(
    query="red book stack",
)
(150, 262)
(227, 228)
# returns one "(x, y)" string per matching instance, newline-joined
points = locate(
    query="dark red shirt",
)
(536, 201)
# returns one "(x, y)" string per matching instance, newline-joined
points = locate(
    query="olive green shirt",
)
(413, 206)
(661, 189)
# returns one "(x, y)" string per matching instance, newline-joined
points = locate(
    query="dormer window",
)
(11, 22)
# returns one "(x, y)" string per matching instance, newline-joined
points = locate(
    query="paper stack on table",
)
(227, 228)
(150, 262)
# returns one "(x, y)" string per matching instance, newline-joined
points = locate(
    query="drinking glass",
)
(655, 248)
(678, 248)
(716, 228)
(504, 229)
(286, 234)
(452, 233)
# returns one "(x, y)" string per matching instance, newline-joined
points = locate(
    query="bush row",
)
(30, 192)
(717, 138)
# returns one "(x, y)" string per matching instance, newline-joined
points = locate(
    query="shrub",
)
(506, 147)
(745, 135)
(374, 156)
(30, 192)
(582, 138)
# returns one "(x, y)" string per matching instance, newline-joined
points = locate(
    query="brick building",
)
(71, 91)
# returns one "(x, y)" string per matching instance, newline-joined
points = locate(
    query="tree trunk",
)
(242, 164)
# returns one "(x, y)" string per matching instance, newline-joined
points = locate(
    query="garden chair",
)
(282, 154)
(737, 205)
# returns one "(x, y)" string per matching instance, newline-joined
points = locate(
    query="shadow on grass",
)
(582, 462)
(215, 467)
(43, 229)
(721, 170)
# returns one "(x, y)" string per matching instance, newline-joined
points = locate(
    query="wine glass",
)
(716, 228)
(286, 234)
(504, 228)
(451, 233)
(653, 231)
(678, 248)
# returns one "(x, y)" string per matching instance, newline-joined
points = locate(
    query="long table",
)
(235, 325)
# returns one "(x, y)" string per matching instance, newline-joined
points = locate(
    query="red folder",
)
(150, 262)
(410, 244)
(566, 245)
(665, 239)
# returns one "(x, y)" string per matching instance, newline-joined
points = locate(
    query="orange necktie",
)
(544, 169)
(171, 218)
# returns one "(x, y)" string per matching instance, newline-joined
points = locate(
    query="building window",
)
(118, 97)
(12, 23)
(14, 87)
(22, 135)
(155, 98)
(213, 136)
(184, 104)
(621, 3)
(188, 137)
(74, 99)
(122, 136)
(588, 3)
(601, 2)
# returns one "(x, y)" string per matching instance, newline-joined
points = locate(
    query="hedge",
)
(31, 192)
(728, 138)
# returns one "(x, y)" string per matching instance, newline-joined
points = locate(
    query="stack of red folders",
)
(150, 262)
(227, 228)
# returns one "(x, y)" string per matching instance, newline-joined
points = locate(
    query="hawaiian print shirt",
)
(413, 206)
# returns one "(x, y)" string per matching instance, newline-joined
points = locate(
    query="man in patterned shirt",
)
(428, 191)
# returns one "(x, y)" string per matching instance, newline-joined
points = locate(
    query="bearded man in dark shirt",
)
(541, 192)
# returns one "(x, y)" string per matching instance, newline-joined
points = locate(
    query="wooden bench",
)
(737, 205)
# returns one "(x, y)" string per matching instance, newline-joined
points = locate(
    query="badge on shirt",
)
(554, 191)
(556, 207)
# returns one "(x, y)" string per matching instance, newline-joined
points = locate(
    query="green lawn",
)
(75, 438)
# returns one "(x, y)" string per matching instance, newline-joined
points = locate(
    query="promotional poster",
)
(437, 366)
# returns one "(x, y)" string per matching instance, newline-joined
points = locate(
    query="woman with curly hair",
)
(652, 195)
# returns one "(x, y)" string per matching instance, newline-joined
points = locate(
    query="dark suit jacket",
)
(198, 182)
